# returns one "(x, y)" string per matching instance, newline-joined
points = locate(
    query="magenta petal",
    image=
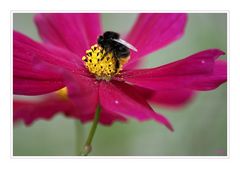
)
(25, 86)
(29, 111)
(26, 79)
(151, 32)
(172, 98)
(211, 81)
(199, 72)
(108, 118)
(25, 49)
(76, 32)
(83, 92)
(47, 108)
(29, 78)
(123, 99)
(167, 98)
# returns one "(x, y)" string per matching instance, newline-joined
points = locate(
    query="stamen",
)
(103, 66)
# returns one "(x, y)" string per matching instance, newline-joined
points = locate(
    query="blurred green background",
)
(200, 127)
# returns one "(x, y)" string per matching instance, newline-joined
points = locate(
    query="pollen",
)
(101, 64)
(63, 93)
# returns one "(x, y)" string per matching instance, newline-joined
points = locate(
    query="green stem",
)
(87, 146)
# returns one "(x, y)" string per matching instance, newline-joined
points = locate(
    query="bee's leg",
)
(117, 66)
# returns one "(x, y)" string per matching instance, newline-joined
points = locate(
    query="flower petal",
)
(81, 103)
(212, 81)
(168, 98)
(83, 92)
(47, 108)
(152, 32)
(29, 111)
(198, 72)
(172, 98)
(108, 118)
(24, 86)
(27, 49)
(76, 32)
(123, 99)
(27, 54)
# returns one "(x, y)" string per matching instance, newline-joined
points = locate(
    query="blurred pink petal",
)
(197, 72)
(108, 118)
(152, 32)
(121, 98)
(25, 86)
(83, 91)
(172, 98)
(212, 81)
(27, 80)
(31, 79)
(30, 111)
(47, 108)
(72, 31)
(167, 98)
(26, 49)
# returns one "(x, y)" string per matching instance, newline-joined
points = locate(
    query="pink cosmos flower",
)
(54, 69)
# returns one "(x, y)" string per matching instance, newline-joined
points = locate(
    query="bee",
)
(120, 49)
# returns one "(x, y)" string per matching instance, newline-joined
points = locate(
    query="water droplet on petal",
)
(116, 101)
(202, 61)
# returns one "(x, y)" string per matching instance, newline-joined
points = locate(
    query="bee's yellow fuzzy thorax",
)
(101, 65)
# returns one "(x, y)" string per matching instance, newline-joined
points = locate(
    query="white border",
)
(125, 157)
(233, 80)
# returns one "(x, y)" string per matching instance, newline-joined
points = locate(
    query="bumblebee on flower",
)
(106, 58)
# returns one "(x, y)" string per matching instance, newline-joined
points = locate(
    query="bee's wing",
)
(123, 42)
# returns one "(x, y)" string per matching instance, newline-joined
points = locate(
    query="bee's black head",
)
(100, 40)
(110, 35)
(105, 40)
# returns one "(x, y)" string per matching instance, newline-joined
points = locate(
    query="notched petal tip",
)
(214, 52)
(200, 71)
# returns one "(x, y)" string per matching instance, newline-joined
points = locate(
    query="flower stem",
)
(87, 146)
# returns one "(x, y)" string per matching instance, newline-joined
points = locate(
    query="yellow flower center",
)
(102, 65)
(63, 93)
